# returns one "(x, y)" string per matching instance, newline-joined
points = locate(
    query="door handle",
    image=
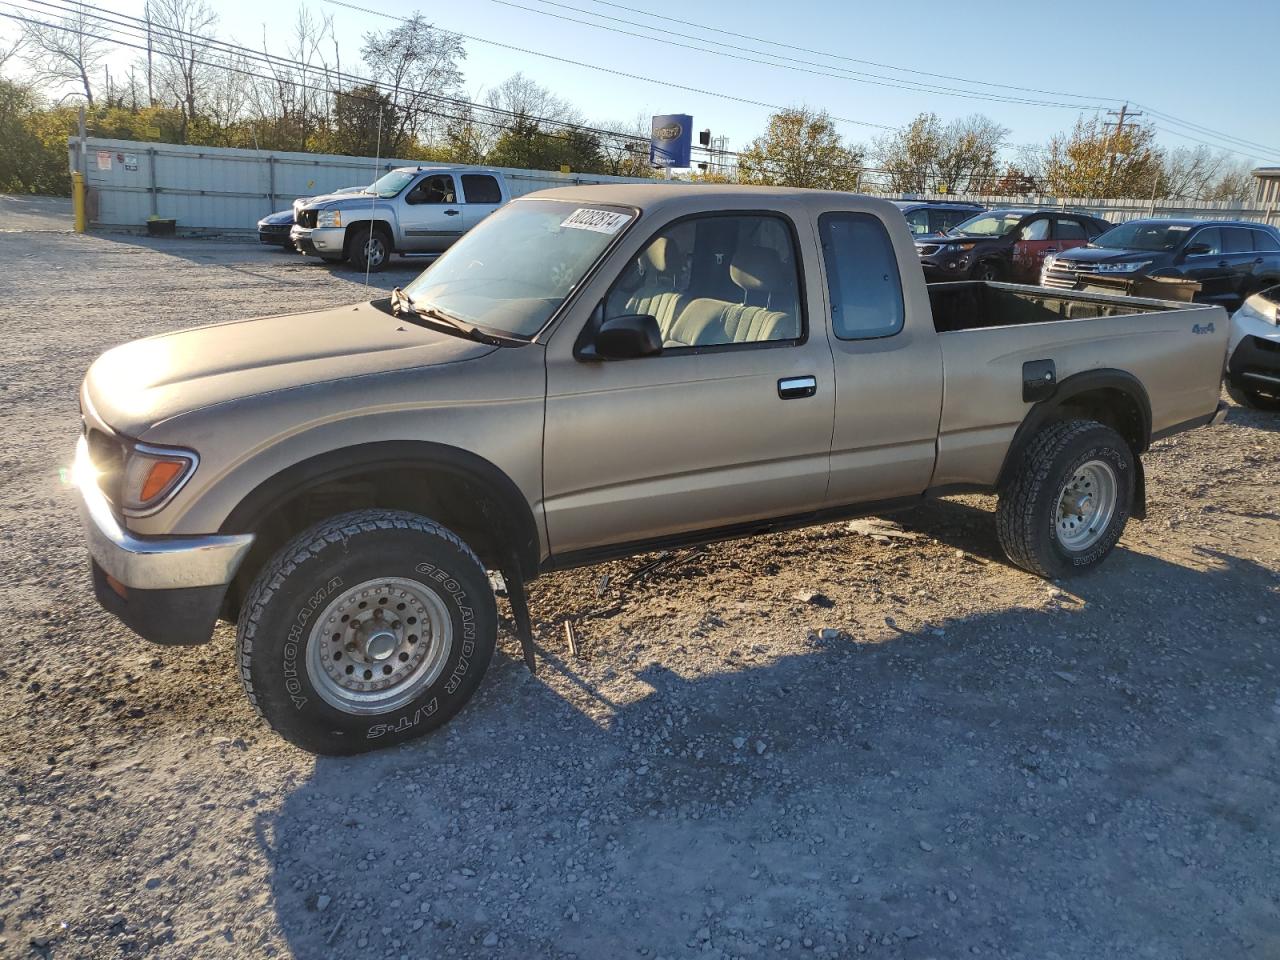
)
(1224, 263)
(452, 213)
(1257, 260)
(795, 388)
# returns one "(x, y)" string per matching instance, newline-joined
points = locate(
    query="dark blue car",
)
(1230, 259)
(274, 228)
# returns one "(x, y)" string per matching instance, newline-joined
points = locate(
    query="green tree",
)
(363, 117)
(526, 144)
(801, 148)
(927, 156)
(1097, 160)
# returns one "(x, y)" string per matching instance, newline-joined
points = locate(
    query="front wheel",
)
(1253, 399)
(369, 249)
(1069, 499)
(367, 630)
(986, 270)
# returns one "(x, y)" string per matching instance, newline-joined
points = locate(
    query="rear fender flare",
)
(1076, 386)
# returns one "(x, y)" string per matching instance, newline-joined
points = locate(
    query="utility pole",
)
(151, 97)
(1106, 148)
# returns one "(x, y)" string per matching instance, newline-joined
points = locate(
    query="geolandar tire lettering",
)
(1069, 500)
(369, 629)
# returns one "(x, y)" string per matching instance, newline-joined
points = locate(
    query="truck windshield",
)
(390, 184)
(512, 272)
(988, 225)
(1137, 235)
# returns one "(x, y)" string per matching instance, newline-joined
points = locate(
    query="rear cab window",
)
(481, 188)
(1065, 228)
(1236, 240)
(1264, 241)
(862, 276)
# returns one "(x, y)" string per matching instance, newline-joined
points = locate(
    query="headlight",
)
(958, 247)
(1126, 266)
(152, 475)
(329, 218)
(1049, 259)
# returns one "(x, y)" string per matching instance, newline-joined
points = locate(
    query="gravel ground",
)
(936, 756)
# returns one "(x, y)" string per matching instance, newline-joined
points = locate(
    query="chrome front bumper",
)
(151, 563)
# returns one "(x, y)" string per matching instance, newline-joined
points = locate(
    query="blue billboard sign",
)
(672, 140)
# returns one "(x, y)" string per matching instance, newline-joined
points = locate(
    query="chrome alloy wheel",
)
(378, 645)
(375, 250)
(1086, 505)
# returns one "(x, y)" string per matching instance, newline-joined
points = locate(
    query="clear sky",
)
(1185, 59)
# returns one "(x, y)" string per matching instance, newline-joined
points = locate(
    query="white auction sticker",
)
(601, 221)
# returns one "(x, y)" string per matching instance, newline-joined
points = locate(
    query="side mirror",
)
(625, 338)
(1196, 249)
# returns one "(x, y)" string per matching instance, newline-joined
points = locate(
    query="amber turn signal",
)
(162, 473)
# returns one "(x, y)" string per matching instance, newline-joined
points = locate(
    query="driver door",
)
(431, 218)
(730, 424)
(1030, 248)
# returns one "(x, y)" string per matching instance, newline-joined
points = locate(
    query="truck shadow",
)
(1095, 779)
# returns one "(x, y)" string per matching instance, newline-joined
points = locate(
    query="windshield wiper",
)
(401, 302)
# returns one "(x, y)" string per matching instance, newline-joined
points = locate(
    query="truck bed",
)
(987, 331)
(975, 304)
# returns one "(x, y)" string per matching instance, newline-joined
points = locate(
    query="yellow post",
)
(77, 200)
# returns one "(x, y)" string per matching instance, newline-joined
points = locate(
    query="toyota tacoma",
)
(592, 373)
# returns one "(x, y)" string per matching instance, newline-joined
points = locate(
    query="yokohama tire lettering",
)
(295, 640)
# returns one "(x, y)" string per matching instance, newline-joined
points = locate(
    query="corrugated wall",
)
(214, 188)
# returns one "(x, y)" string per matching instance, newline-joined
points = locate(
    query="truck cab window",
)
(434, 189)
(862, 276)
(715, 281)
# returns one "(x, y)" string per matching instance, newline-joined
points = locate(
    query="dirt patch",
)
(833, 743)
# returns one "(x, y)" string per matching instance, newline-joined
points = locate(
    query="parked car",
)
(410, 211)
(926, 217)
(590, 373)
(1253, 353)
(1005, 244)
(1230, 259)
(274, 228)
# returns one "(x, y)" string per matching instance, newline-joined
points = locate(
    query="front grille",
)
(307, 218)
(1065, 273)
(275, 229)
(928, 249)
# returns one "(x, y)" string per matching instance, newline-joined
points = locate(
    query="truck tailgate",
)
(1176, 350)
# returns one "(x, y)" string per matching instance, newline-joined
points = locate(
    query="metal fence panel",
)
(216, 188)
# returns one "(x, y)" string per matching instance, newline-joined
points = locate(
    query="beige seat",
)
(656, 294)
(761, 276)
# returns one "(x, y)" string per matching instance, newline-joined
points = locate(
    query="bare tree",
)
(10, 47)
(179, 31)
(627, 156)
(927, 156)
(65, 51)
(419, 65)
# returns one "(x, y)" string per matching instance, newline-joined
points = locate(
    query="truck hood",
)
(1110, 255)
(139, 385)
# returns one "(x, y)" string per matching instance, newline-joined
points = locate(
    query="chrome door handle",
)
(452, 213)
(794, 388)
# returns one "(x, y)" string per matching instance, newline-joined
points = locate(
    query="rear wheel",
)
(1069, 500)
(1254, 400)
(369, 248)
(369, 629)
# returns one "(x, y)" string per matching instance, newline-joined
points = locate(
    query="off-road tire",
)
(1026, 518)
(1252, 400)
(357, 239)
(298, 583)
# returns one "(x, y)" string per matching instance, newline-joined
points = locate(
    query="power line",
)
(837, 56)
(854, 76)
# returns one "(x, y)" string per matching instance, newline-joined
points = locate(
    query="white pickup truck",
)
(414, 211)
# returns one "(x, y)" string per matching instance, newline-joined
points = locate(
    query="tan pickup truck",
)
(592, 373)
